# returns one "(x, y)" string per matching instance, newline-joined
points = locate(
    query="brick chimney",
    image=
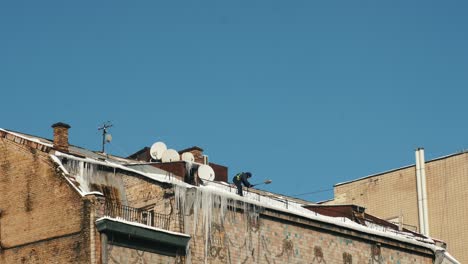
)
(61, 136)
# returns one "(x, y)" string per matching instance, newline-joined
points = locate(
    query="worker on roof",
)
(242, 178)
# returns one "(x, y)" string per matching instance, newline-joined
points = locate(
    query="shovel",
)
(264, 182)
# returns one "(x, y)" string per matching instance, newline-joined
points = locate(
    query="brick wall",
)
(142, 192)
(389, 194)
(122, 255)
(270, 240)
(58, 251)
(42, 216)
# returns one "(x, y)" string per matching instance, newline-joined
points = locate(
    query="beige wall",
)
(390, 194)
(58, 251)
(42, 216)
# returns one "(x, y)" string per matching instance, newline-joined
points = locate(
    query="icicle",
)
(180, 194)
(82, 171)
(201, 208)
(207, 209)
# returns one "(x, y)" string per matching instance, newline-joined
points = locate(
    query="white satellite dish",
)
(170, 155)
(205, 172)
(187, 156)
(157, 150)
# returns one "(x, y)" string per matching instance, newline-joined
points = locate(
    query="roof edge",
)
(401, 168)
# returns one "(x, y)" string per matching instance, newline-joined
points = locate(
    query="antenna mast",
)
(104, 128)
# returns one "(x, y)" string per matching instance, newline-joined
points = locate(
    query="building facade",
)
(393, 195)
(63, 204)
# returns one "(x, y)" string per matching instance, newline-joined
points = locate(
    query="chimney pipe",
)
(61, 136)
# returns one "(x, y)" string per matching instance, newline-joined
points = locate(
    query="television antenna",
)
(105, 136)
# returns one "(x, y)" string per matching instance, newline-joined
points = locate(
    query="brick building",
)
(64, 204)
(393, 195)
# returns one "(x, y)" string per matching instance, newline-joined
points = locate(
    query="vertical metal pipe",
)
(424, 192)
(419, 192)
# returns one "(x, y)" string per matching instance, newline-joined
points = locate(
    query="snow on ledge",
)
(94, 193)
(28, 138)
(120, 220)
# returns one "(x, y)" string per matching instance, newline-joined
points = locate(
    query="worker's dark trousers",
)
(239, 188)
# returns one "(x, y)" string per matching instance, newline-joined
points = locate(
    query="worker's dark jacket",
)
(241, 178)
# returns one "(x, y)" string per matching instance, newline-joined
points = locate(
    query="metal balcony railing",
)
(147, 217)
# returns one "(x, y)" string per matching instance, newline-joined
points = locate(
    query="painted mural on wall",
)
(376, 255)
(122, 255)
(318, 255)
(347, 258)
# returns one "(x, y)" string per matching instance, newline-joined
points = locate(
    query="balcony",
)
(116, 210)
(141, 229)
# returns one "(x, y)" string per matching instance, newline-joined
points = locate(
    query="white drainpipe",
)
(419, 190)
(422, 192)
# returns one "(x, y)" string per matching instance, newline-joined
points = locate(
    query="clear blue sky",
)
(306, 93)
